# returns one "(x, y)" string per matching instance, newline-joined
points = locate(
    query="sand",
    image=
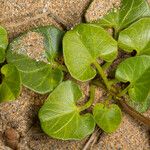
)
(19, 124)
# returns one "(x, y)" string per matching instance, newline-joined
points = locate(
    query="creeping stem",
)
(133, 112)
(102, 74)
(90, 101)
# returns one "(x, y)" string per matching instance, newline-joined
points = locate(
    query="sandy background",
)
(19, 125)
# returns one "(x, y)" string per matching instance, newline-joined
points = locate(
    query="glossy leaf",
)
(83, 46)
(136, 70)
(11, 83)
(129, 11)
(136, 37)
(37, 64)
(107, 118)
(3, 43)
(60, 117)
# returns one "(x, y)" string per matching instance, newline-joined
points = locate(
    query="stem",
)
(59, 66)
(113, 81)
(134, 113)
(106, 65)
(123, 92)
(108, 100)
(63, 68)
(96, 82)
(102, 74)
(115, 35)
(90, 101)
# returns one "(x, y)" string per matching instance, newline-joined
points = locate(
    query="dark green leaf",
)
(52, 41)
(136, 37)
(136, 70)
(3, 43)
(34, 55)
(35, 75)
(107, 118)
(60, 117)
(83, 46)
(11, 84)
(130, 11)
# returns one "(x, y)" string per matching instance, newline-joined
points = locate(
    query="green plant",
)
(88, 50)
(83, 48)
(10, 78)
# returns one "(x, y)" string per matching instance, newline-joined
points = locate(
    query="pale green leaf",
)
(129, 11)
(60, 117)
(108, 118)
(136, 37)
(3, 43)
(83, 46)
(11, 83)
(136, 70)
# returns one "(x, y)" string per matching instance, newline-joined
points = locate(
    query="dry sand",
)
(19, 125)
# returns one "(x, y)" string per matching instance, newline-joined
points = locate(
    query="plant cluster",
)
(84, 51)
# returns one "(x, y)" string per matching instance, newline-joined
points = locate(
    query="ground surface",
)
(19, 125)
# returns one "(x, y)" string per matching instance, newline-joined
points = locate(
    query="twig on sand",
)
(92, 140)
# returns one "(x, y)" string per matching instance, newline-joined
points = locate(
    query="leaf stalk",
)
(90, 101)
(102, 74)
(123, 92)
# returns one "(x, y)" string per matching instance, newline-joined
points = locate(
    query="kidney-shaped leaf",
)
(107, 118)
(136, 70)
(11, 83)
(129, 11)
(82, 47)
(136, 37)
(34, 55)
(3, 43)
(60, 117)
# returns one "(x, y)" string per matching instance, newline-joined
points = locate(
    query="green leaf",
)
(34, 55)
(136, 70)
(3, 43)
(11, 84)
(83, 46)
(141, 106)
(107, 118)
(60, 117)
(35, 75)
(52, 41)
(136, 37)
(129, 11)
